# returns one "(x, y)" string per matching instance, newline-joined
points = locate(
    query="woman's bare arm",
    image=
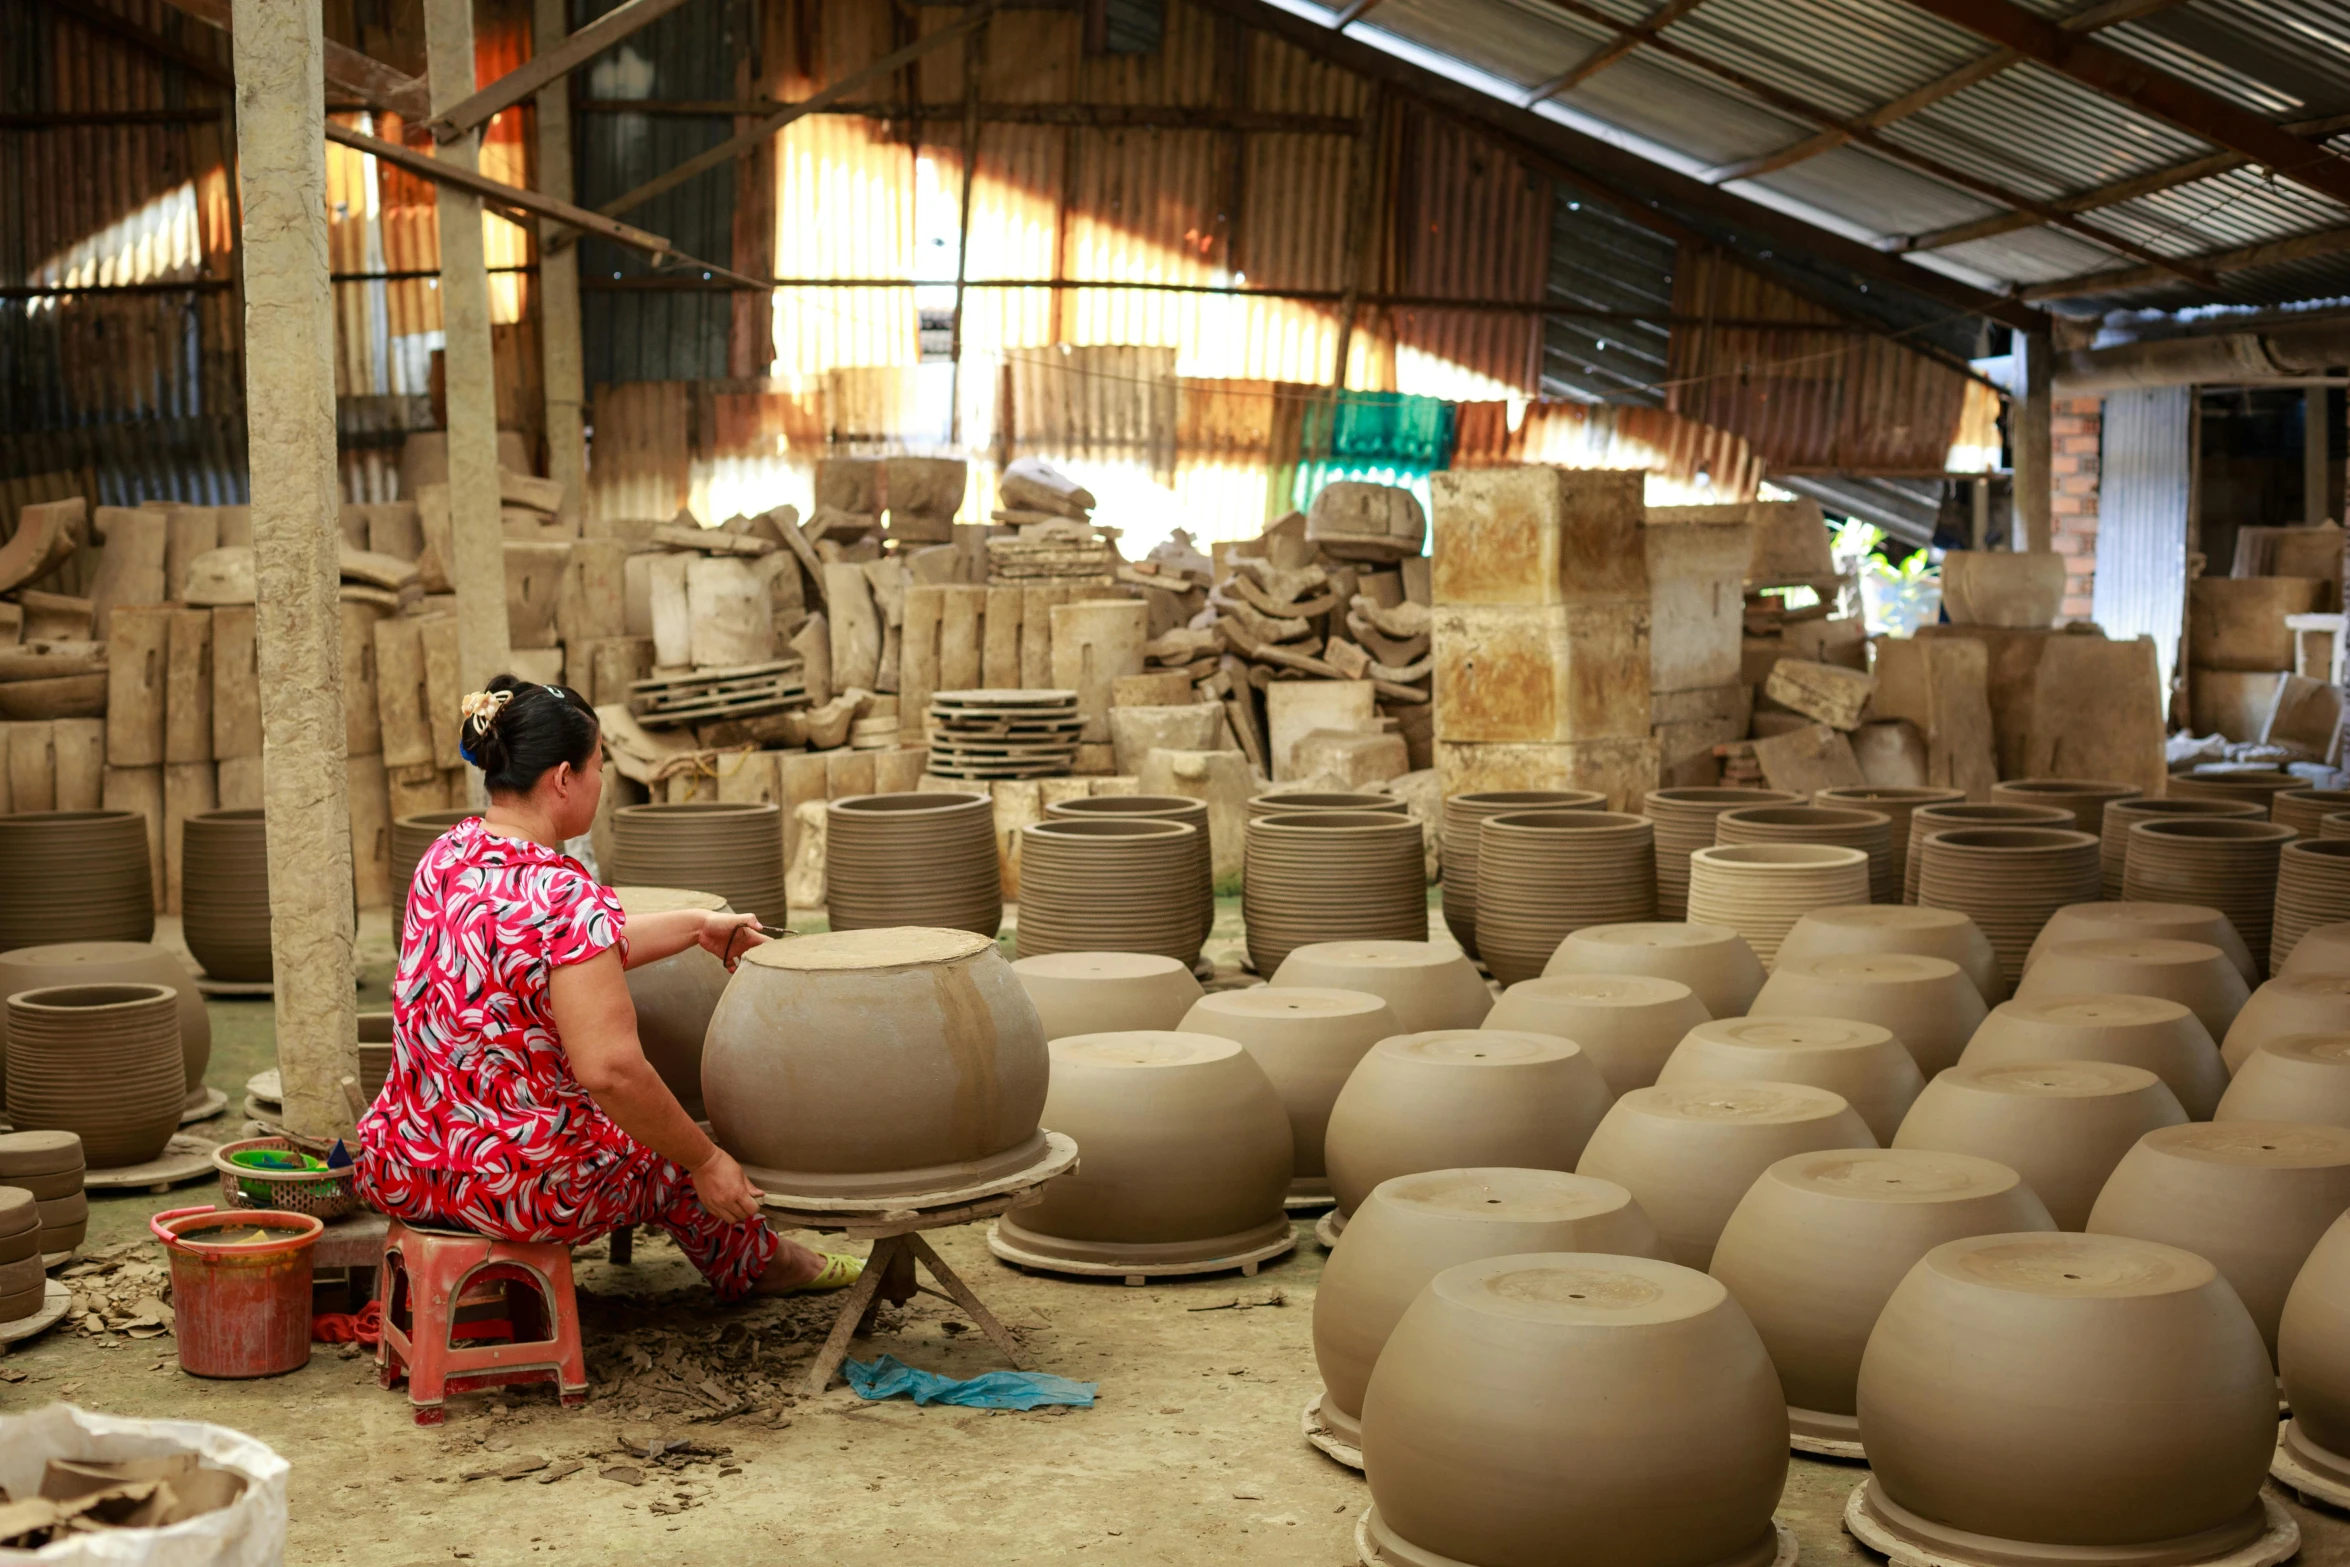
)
(652, 937)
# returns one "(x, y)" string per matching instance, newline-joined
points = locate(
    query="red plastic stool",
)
(463, 1311)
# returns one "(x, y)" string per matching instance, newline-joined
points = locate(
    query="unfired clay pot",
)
(1627, 1023)
(2322, 949)
(1712, 960)
(100, 1061)
(1864, 1063)
(1430, 984)
(873, 1063)
(1461, 1098)
(2193, 973)
(674, 997)
(2061, 1125)
(1688, 1151)
(2288, 1004)
(2299, 1077)
(1929, 1005)
(2079, 1391)
(119, 963)
(2128, 921)
(1414, 1227)
(1106, 992)
(1862, 929)
(1815, 1248)
(1574, 1406)
(1184, 1153)
(2161, 1036)
(2251, 1196)
(1308, 1042)
(2313, 1358)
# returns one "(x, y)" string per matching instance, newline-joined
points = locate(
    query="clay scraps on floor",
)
(123, 1289)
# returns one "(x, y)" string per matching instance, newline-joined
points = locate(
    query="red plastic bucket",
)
(239, 1311)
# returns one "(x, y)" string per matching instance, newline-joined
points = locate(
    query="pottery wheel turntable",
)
(1371, 1552)
(2292, 1471)
(1870, 1519)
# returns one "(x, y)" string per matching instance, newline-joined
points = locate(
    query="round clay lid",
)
(1604, 990)
(1656, 934)
(1477, 1047)
(1279, 1001)
(1143, 1047)
(1885, 916)
(1107, 966)
(1873, 968)
(18, 1211)
(891, 946)
(1767, 1104)
(664, 900)
(1903, 1175)
(39, 1153)
(1505, 1195)
(2152, 950)
(2109, 1009)
(1793, 1033)
(2317, 987)
(1378, 954)
(2316, 1049)
(2051, 1079)
(2068, 1265)
(1580, 1289)
(2275, 1145)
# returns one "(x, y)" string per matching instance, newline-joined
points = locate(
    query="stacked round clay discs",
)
(1871, 832)
(2255, 786)
(1330, 875)
(1760, 890)
(1896, 802)
(734, 851)
(1462, 815)
(2122, 815)
(1543, 875)
(909, 859)
(2085, 798)
(2305, 810)
(1110, 884)
(1930, 819)
(411, 836)
(224, 894)
(23, 1281)
(1292, 802)
(100, 1061)
(1155, 807)
(49, 1166)
(1003, 734)
(2227, 865)
(1685, 824)
(74, 876)
(2313, 888)
(2008, 880)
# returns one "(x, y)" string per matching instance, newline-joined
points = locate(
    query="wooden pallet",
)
(744, 691)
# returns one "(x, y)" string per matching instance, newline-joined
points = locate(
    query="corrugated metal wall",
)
(2143, 494)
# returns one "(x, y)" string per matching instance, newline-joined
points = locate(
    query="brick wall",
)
(2077, 428)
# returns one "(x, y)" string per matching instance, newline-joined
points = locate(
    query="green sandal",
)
(838, 1273)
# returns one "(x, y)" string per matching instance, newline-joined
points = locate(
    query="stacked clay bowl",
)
(1714, 961)
(1109, 884)
(1897, 803)
(2313, 889)
(2227, 865)
(74, 876)
(2036, 1399)
(1107, 992)
(2305, 810)
(2324, 949)
(1186, 1158)
(1159, 807)
(1760, 890)
(2085, 799)
(2300, 1077)
(2122, 815)
(2194, 974)
(2163, 1037)
(23, 1281)
(411, 836)
(1862, 1063)
(2288, 1004)
(2254, 786)
(1627, 1024)
(1688, 1151)
(224, 894)
(118, 963)
(2061, 1125)
(876, 1063)
(1869, 928)
(1927, 820)
(2128, 921)
(1308, 1042)
(1459, 1098)
(1332, 876)
(100, 1061)
(1428, 984)
(1543, 875)
(1871, 832)
(1414, 1227)
(732, 851)
(2313, 1362)
(2008, 880)
(2252, 1197)
(48, 1166)
(1926, 1003)
(674, 998)
(1685, 824)
(1463, 813)
(1617, 1407)
(1278, 803)
(907, 859)
(1818, 1245)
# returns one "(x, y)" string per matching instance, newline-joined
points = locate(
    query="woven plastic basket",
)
(322, 1194)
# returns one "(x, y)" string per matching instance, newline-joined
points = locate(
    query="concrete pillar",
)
(290, 392)
(2031, 415)
(561, 362)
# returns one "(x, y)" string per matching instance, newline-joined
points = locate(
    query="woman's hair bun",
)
(517, 729)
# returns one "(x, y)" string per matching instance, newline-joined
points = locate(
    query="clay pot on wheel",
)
(2133, 921)
(676, 996)
(1428, 983)
(2144, 1031)
(1107, 992)
(1714, 961)
(100, 1061)
(1628, 1024)
(1929, 1005)
(2288, 1004)
(119, 963)
(1308, 1042)
(2191, 973)
(1865, 1064)
(2300, 1077)
(2313, 1359)
(224, 896)
(2061, 1125)
(1866, 929)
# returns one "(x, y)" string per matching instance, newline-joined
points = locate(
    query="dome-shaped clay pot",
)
(2131, 921)
(1929, 1005)
(1106, 992)
(1461, 1098)
(1627, 1023)
(1574, 1406)
(874, 1063)
(119, 963)
(2322, 949)
(1712, 960)
(1430, 984)
(1864, 929)
(1414, 1227)
(674, 997)
(2313, 1359)
(1688, 1151)
(1308, 1041)
(2251, 1196)
(2193, 973)
(1863, 1063)
(2061, 1125)
(2299, 1077)
(2146, 1031)
(2288, 1004)
(1818, 1243)
(2079, 1391)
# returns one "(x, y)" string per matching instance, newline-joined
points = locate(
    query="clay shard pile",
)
(123, 1289)
(989, 734)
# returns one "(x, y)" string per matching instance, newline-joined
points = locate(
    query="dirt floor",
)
(696, 1449)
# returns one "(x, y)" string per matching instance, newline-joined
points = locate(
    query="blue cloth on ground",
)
(889, 1376)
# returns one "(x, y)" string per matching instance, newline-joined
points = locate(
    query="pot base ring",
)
(1375, 1547)
(1888, 1530)
(1817, 1433)
(56, 1300)
(848, 1213)
(1329, 1227)
(203, 1105)
(1245, 1251)
(1324, 1438)
(2292, 1469)
(932, 1187)
(1309, 1194)
(187, 1157)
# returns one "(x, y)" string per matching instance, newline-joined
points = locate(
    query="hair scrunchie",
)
(481, 710)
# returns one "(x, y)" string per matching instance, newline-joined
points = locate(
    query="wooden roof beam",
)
(364, 77)
(1614, 49)
(2298, 247)
(512, 198)
(534, 74)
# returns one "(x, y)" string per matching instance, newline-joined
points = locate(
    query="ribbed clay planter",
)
(411, 836)
(1107, 992)
(1870, 928)
(2227, 865)
(74, 876)
(733, 851)
(1186, 1154)
(2122, 815)
(1414, 1227)
(1309, 1042)
(2194, 974)
(1685, 824)
(1760, 890)
(2313, 889)
(1627, 1023)
(1463, 813)
(117, 963)
(2085, 798)
(2008, 880)
(1158, 807)
(1846, 827)
(1896, 802)
(2313, 1361)
(2334, 825)
(2061, 1125)
(1714, 961)
(2305, 810)
(1429, 984)
(1930, 819)
(2300, 1077)
(1821, 1240)
(1546, 874)
(224, 894)
(2323, 950)
(875, 1063)
(1332, 875)
(100, 1061)
(2130, 921)
(2254, 786)
(1459, 1098)
(1862, 1063)
(674, 997)
(2042, 1398)
(2161, 1036)
(2252, 1197)
(1465, 1467)
(1112, 883)
(909, 859)
(1929, 1006)
(1688, 1151)
(1292, 801)
(2288, 1004)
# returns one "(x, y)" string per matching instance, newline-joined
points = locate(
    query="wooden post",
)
(2035, 479)
(289, 371)
(2316, 502)
(561, 371)
(974, 45)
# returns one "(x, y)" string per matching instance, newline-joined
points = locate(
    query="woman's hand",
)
(724, 1192)
(729, 936)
